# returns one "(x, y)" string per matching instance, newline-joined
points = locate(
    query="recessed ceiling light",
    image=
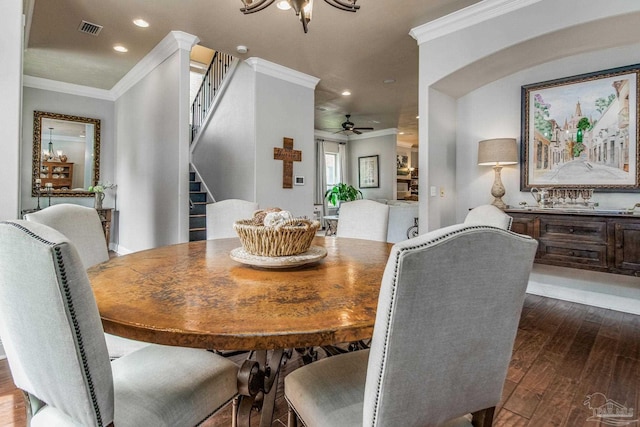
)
(417, 117)
(401, 133)
(141, 22)
(120, 48)
(283, 5)
(346, 93)
(375, 121)
(389, 81)
(242, 49)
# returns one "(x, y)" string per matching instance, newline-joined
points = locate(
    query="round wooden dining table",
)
(195, 295)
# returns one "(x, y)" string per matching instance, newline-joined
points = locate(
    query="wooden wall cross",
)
(288, 155)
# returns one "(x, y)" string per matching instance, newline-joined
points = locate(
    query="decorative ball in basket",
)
(274, 233)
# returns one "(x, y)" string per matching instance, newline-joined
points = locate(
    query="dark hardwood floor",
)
(563, 353)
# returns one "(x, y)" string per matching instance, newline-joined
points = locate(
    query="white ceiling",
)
(354, 51)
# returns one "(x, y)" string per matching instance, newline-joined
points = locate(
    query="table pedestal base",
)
(257, 386)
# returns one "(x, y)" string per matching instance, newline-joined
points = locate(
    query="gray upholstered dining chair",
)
(363, 219)
(82, 226)
(488, 215)
(221, 216)
(447, 316)
(52, 334)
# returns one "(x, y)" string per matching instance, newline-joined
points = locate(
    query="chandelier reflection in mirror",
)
(302, 8)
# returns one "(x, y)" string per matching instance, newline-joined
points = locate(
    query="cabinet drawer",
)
(569, 254)
(586, 230)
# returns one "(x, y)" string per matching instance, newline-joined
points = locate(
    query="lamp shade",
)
(501, 151)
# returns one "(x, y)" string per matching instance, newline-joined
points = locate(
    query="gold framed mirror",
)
(66, 155)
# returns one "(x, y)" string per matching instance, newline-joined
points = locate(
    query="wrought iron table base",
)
(257, 386)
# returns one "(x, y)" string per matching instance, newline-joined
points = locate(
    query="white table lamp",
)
(497, 152)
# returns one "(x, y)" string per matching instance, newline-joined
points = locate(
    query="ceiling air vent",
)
(89, 28)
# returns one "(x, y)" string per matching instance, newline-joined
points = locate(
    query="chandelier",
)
(302, 8)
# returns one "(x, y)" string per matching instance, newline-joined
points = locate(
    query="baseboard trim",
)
(583, 296)
(121, 250)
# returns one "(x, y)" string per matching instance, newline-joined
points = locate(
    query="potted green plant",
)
(342, 192)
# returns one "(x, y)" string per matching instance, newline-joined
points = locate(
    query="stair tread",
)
(198, 199)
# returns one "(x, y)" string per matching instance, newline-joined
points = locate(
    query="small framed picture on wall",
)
(368, 172)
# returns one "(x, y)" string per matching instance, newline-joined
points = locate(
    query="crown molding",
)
(323, 134)
(185, 41)
(374, 134)
(27, 19)
(69, 88)
(173, 41)
(467, 17)
(263, 66)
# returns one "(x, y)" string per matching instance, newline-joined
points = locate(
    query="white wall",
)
(494, 111)
(225, 152)
(262, 104)
(481, 32)
(64, 103)
(385, 146)
(440, 174)
(10, 87)
(284, 110)
(151, 145)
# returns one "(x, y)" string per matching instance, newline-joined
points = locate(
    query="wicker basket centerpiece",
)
(282, 236)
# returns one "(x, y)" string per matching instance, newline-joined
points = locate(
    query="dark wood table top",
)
(194, 295)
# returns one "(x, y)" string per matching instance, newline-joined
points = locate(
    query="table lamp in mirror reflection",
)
(497, 152)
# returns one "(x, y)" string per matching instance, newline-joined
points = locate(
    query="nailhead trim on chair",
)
(393, 296)
(67, 293)
(29, 232)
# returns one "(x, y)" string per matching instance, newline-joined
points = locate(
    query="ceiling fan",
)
(349, 126)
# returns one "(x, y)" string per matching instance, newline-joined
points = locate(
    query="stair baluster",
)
(211, 82)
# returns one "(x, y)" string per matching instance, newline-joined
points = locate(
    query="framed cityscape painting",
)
(582, 131)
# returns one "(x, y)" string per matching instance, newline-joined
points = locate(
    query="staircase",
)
(197, 210)
(212, 84)
(211, 87)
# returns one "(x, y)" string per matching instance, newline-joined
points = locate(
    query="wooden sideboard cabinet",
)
(592, 240)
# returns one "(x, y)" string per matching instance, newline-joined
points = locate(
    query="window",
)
(332, 168)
